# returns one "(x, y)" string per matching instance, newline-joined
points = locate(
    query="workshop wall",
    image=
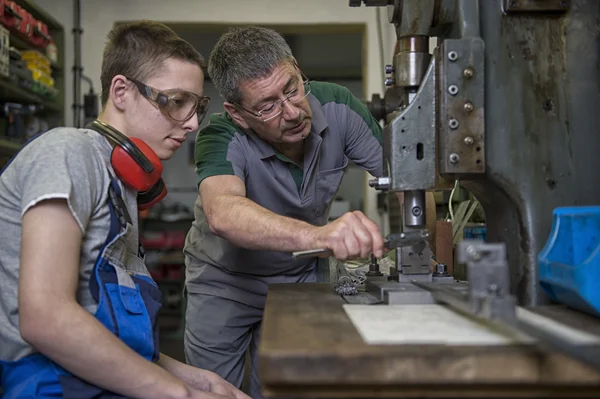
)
(98, 18)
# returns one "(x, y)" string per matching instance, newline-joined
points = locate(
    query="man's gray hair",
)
(245, 54)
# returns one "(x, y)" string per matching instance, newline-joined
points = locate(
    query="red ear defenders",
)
(135, 164)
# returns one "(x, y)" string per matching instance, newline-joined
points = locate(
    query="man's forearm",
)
(249, 225)
(78, 342)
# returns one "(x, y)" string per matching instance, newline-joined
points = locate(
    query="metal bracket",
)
(489, 280)
(521, 6)
(461, 107)
(413, 262)
(407, 239)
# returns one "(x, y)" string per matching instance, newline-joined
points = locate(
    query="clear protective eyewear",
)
(274, 109)
(179, 105)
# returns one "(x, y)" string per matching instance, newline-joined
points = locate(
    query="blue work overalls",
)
(128, 305)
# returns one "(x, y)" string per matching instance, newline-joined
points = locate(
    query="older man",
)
(268, 170)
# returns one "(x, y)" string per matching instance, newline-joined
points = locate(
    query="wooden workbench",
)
(310, 348)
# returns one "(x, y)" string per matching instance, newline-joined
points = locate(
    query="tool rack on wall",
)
(31, 74)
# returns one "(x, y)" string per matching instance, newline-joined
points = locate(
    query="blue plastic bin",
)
(569, 265)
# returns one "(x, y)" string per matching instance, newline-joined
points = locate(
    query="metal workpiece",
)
(409, 145)
(461, 83)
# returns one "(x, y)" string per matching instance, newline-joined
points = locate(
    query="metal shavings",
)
(346, 286)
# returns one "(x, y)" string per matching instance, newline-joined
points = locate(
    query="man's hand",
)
(351, 236)
(208, 381)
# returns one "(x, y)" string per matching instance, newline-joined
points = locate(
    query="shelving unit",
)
(50, 110)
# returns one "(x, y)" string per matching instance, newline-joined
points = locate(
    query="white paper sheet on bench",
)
(419, 324)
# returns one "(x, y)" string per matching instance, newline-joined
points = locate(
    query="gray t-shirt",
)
(68, 163)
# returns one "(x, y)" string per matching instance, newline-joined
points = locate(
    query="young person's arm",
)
(200, 379)
(51, 320)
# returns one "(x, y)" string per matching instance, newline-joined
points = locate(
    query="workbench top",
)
(310, 348)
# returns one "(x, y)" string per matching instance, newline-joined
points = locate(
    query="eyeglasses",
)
(274, 109)
(179, 105)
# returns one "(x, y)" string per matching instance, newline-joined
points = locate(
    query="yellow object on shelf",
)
(40, 76)
(34, 55)
(37, 60)
(35, 65)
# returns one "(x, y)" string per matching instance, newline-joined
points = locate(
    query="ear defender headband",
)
(135, 164)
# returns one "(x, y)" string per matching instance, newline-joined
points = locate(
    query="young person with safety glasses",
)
(78, 307)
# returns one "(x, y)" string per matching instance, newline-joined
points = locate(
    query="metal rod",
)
(77, 67)
(311, 253)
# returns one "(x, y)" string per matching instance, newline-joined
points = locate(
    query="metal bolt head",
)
(389, 68)
(388, 82)
(493, 289)
(452, 55)
(416, 211)
(441, 268)
(453, 124)
(454, 158)
(469, 106)
(468, 73)
(469, 140)
(453, 90)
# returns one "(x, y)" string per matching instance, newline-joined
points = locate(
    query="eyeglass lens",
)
(276, 108)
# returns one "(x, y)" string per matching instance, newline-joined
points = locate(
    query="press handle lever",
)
(392, 241)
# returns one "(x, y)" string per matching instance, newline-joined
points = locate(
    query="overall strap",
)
(119, 215)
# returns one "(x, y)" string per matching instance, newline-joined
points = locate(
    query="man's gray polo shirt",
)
(342, 129)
